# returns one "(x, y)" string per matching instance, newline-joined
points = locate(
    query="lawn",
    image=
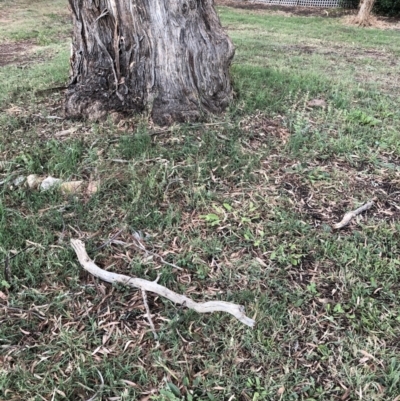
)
(244, 203)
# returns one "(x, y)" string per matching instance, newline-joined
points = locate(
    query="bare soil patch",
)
(15, 52)
(4, 18)
(347, 53)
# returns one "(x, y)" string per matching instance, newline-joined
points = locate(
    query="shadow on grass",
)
(262, 88)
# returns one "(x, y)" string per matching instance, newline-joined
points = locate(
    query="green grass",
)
(38, 20)
(245, 204)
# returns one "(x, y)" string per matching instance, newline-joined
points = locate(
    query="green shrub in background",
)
(390, 8)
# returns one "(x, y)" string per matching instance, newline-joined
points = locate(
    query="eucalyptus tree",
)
(168, 57)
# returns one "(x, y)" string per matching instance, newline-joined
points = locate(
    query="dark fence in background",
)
(308, 3)
(390, 8)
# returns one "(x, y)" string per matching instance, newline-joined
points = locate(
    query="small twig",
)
(7, 271)
(146, 305)
(35, 244)
(120, 161)
(48, 117)
(61, 236)
(49, 90)
(14, 309)
(138, 245)
(8, 258)
(350, 215)
(100, 390)
(171, 182)
(110, 240)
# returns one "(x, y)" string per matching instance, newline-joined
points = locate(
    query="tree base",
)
(170, 58)
(363, 17)
(93, 107)
(362, 22)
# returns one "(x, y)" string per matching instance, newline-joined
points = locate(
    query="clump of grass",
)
(245, 205)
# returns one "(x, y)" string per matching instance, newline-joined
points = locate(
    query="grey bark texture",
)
(169, 57)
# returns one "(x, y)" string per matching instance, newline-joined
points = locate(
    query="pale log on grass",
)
(350, 215)
(152, 286)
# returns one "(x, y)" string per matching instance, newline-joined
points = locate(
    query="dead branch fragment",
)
(137, 243)
(350, 215)
(100, 390)
(152, 286)
(146, 305)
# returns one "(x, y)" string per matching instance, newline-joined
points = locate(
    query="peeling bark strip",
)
(170, 57)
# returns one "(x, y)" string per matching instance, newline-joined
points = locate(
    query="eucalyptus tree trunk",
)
(364, 12)
(169, 57)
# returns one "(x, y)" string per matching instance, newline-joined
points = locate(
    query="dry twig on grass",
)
(110, 240)
(146, 305)
(350, 215)
(152, 286)
(100, 390)
(138, 245)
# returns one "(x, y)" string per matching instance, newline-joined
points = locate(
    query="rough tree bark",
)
(170, 57)
(364, 13)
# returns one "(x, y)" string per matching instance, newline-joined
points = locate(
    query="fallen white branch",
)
(152, 286)
(350, 215)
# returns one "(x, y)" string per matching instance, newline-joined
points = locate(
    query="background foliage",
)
(387, 7)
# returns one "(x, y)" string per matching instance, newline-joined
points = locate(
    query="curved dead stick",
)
(350, 215)
(152, 286)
